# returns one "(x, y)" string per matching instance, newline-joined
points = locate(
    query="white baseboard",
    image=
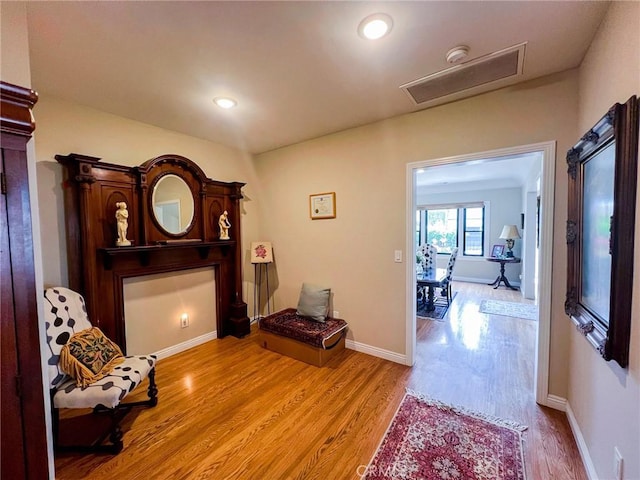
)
(561, 404)
(181, 347)
(376, 352)
(556, 402)
(473, 279)
(486, 281)
(582, 445)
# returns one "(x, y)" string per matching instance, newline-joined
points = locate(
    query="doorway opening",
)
(539, 263)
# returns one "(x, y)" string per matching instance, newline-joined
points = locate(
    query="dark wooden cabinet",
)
(24, 441)
(97, 266)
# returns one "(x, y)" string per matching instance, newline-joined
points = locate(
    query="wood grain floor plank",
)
(230, 409)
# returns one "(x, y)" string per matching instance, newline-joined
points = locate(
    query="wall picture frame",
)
(322, 205)
(497, 251)
(602, 170)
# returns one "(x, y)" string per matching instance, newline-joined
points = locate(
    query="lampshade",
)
(510, 232)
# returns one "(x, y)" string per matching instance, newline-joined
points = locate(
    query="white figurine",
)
(122, 216)
(224, 224)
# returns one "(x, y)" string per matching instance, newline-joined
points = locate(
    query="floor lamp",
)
(261, 257)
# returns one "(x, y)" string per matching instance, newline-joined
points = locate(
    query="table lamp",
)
(510, 233)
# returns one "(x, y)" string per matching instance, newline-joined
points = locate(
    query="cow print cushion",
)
(65, 314)
(110, 390)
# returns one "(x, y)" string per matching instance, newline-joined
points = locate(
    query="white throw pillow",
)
(314, 302)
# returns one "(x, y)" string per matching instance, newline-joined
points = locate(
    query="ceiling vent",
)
(480, 75)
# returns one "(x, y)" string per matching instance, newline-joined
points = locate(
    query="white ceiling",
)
(298, 69)
(519, 171)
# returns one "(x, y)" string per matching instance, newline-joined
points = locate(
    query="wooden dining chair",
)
(445, 285)
(428, 255)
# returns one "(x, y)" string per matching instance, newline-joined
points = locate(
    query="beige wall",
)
(366, 167)
(605, 399)
(171, 294)
(66, 127)
(14, 38)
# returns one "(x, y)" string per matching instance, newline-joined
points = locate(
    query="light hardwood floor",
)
(231, 410)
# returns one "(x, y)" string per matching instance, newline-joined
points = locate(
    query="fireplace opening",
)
(157, 307)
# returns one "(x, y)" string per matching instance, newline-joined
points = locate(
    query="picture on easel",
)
(261, 256)
(261, 252)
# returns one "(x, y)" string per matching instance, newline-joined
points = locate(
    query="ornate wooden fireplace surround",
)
(97, 267)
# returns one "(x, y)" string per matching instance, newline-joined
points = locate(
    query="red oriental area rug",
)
(433, 441)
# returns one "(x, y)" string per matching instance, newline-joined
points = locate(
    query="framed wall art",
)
(602, 169)
(322, 205)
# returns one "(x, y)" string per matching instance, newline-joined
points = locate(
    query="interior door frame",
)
(547, 184)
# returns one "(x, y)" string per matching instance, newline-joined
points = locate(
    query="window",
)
(473, 231)
(440, 227)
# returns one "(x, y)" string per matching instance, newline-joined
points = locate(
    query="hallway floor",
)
(486, 363)
(228, 409)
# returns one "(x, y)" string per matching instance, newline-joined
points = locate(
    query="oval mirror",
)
(172, 204)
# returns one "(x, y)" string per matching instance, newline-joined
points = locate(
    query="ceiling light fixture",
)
(375, 26)
(457, 54)
(225, 102)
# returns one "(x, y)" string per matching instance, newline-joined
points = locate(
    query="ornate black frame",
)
(618, 126)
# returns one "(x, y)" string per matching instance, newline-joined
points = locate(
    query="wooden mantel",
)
(97, 267)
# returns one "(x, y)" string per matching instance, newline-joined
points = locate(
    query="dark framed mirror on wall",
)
(172, 204)
(602, 169)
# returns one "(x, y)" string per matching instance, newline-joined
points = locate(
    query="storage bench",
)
(295, 336)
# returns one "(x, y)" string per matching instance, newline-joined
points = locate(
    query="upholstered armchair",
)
(66, 315)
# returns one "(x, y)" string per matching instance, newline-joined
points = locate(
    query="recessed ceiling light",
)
(375, 26)
(225, 102)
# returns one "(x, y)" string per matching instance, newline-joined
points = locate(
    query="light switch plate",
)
(397, 256)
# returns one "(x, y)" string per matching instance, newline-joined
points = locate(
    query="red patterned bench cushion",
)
(289, 324)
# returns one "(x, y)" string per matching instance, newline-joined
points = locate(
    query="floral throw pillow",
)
(89, 356)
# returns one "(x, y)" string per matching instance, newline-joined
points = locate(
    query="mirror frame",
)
(152, 211)
(620, 127)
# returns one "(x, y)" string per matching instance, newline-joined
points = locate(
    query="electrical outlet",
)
(618, 464)
(336, 314)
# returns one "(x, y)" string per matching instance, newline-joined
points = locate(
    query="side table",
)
(501, 278)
